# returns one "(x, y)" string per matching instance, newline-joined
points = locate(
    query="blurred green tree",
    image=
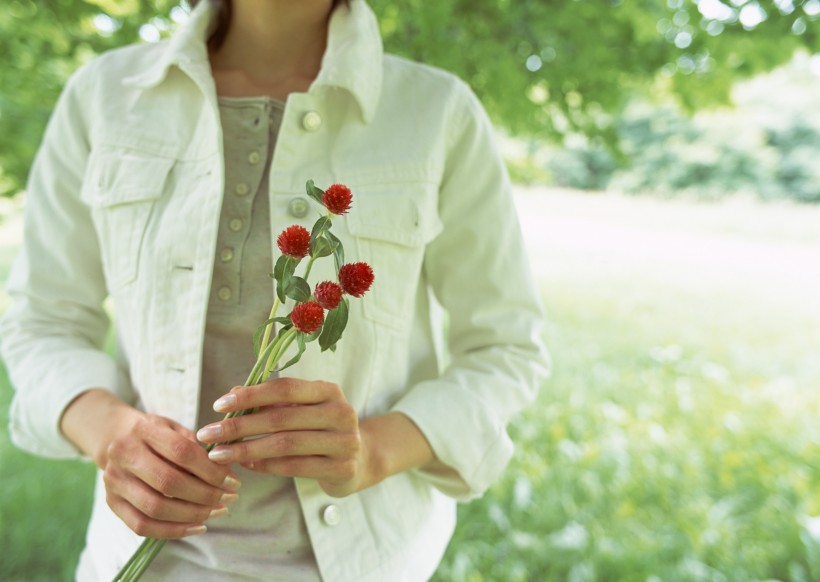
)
(544, 67)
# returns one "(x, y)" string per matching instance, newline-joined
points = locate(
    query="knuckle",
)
(146, 424)
(284, 443)
(201, 514)
(152, 507)
(109, 479)
(213, 497)
(141, 526)
(287, 388)
(334, 390)
(241, 451)
(184, 452)
(347, 469)
(167, 481)
(277, 416)
(353, 442)
(347, 416)
(230, 428)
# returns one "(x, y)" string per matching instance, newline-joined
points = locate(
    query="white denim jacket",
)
(123, 201)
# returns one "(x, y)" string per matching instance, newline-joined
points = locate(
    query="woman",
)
(164, 170)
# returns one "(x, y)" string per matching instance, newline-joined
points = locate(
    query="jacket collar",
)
(352, 60)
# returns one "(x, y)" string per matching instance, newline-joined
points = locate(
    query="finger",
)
(277, 391)
(161, 508)
(329, 469)
(169, 480)
(289, 443)
(192, 458)
(145, 526)
(330, 415)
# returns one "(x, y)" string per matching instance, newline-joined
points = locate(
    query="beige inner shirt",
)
(264, 537)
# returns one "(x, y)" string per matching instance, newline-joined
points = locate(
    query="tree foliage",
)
(544, 67)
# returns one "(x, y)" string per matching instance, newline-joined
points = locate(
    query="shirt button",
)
(298, 207)
(226, 254)
(311, 121)
(235, 224)
(241, 188)
(254, 158)
(224, 293)
(332, 515)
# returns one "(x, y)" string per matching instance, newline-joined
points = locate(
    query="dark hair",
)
(223, 22)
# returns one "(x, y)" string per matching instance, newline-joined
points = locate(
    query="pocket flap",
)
(404, 215)
(126, 179)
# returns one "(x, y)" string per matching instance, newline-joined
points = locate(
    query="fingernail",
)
(218, 512)
(228, 498)
(196, 530)
(231, 483)
(209, 433)
(221, 454)
(225, 403)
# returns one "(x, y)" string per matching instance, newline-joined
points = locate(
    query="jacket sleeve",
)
(51, 336)
(478, 270)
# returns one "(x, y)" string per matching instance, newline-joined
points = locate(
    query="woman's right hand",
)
(158, 479)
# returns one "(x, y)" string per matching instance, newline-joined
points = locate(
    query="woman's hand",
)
(309, 428)
(158, 479)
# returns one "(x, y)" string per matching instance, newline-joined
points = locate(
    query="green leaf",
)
(297, 289)
(322, 224)
(334, 326)
(282, 271)
(321, 247)
(314, 192)
(338, 250)
(301, 345)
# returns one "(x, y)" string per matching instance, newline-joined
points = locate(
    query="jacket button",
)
(331, 515)
(311, 121)
(298, 207)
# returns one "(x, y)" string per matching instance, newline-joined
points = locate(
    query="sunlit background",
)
(666, 156)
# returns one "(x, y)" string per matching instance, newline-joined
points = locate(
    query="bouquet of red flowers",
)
(307, 321)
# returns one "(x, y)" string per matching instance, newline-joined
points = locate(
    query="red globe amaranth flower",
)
(294, 241)
(356, 278)
(337, 199)
(307, 317)
(328, 294)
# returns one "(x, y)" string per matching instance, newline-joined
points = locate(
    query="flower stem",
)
(276, 355)
(269, 328)
(139, 562)
(309, 267)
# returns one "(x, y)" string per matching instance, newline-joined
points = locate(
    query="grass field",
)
(676, 441)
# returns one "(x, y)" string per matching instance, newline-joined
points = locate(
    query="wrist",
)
(377, 460)
(393, 444)
(95, 419)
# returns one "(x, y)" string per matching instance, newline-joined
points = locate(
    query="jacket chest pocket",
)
(122, 192)
(392, 223)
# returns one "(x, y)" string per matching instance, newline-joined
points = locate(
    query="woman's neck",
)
(273, 47)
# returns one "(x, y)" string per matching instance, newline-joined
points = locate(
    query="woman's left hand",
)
(304, 429)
